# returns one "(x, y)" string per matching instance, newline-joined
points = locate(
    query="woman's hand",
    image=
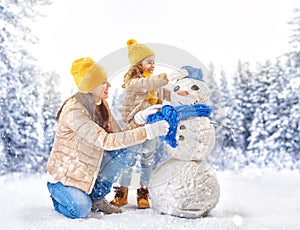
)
(141, 116)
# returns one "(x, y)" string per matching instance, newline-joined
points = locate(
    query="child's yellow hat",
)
(137, 52)
(87, 74)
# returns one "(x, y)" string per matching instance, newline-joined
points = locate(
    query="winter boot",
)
(104, 206)
(121, 196)
(143, 198)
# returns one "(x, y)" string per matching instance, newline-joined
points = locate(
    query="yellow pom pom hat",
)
(87, 74)
(137, 52)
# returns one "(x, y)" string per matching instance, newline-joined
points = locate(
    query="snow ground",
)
(254, 199)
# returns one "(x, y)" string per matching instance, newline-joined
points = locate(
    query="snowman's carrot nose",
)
(183, 93)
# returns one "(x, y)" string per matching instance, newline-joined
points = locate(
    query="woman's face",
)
(148, 64)
(101, 92)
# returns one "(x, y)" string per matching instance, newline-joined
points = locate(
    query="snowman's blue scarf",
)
(174, 114)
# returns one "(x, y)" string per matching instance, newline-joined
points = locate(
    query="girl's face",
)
(148, 64)
(101, 92)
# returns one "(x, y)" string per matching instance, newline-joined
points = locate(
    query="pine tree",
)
(266, 104)
(240, 115)
(219, 100)
(274, 140)
(52, 103)
(291, 94)
(265, 118)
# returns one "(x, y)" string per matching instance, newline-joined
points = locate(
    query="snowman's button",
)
(181, 138)
(182, 127)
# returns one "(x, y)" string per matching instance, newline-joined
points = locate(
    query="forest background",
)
(256, 108)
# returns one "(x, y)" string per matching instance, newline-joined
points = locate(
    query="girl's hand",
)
(177, 74)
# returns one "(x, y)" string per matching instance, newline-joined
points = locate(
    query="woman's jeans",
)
(73, 202)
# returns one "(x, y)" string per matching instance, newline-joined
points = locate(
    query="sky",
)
(217, 31)
(250, 200)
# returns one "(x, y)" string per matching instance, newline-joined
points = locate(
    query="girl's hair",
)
(135, 71)
(98, 113)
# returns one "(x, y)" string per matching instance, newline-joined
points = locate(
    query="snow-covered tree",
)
(288, 69)
(21, 89)
(265, 123)
(240, 116)
(266, 104)
(219, 101)
(52, 102)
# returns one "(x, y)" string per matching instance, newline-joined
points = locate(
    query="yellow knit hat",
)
(137, 52)
(87, 74)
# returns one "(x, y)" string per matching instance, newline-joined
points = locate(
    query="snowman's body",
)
(186, 185)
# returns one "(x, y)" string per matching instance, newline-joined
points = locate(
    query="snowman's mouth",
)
(195, 102)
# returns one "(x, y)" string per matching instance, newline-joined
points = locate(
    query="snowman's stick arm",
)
(227, 127)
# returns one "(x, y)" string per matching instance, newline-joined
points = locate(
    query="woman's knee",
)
(81, 203)
(79, 208)
(83, 208)
(70, 201)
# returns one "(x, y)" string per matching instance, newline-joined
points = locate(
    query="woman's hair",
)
(98, 113)
(60, 110)
(135, 71)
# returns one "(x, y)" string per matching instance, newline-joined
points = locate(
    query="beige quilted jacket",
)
(136, 93)
(79, 144)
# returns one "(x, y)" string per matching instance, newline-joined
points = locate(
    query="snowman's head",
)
(191, 89)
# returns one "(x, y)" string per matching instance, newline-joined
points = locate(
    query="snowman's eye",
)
(195, 87)
(176, 88)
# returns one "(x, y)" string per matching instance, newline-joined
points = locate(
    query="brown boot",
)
(121, 196)
(143, 198)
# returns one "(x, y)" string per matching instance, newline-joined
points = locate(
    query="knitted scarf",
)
(174, 114)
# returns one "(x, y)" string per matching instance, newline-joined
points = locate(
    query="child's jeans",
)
(145, 150)
(73, 202)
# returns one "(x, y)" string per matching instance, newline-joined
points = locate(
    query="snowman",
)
(185, 185)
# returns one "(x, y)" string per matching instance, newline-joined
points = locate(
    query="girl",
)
(141, 93)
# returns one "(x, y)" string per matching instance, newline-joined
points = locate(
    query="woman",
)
(89, 149)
